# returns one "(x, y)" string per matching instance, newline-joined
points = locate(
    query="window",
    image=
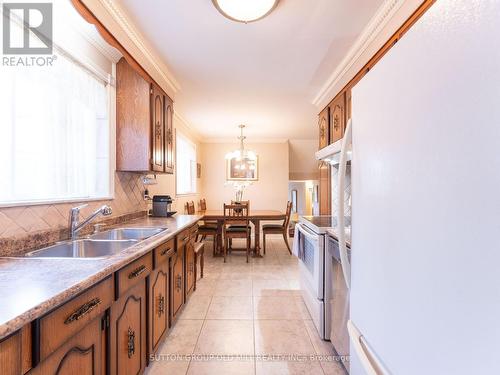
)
(54, 132)
(185, 152)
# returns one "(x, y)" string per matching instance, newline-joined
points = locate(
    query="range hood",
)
(331, 153)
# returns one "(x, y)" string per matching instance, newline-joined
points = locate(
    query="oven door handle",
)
(303, 230)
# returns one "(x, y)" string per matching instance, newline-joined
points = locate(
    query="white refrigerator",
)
(425, 270)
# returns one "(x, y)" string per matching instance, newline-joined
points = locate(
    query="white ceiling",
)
(263, 74)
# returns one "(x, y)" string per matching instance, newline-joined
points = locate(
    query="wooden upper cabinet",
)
(143, 122)
(337, 117)
(133, 151)
(158, 130)
(324, 127)
(169, 135)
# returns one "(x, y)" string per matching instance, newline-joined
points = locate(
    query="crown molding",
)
(111, 53)
(126, 26)
(376, 28)
(187, 125)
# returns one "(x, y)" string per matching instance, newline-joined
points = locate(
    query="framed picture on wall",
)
(242, 170)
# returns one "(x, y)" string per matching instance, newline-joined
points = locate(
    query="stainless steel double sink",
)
(98, 245)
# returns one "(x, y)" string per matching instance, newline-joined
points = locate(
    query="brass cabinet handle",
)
(83, 310)
(178, 282)
(130, 342)
(164, 251)
(161, 305)
(137, 272)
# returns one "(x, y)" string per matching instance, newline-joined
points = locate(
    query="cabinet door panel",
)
(324, 128)
(325, 200)
(169, 136)
(190, 265)
(178, 281)
(133, 117)
(10, 355)
(337, 118)
(128, 332)
(82, 354)
(159, 306)
(158, 123)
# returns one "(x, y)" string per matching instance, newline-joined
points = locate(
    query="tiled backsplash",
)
(18, 223)
(347, 191)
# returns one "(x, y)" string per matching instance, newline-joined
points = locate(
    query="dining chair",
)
(236, 225)
(204, 229)
(248, 205)
(203, 207)
(279, 228)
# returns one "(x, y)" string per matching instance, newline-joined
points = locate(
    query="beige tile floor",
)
(240, 315)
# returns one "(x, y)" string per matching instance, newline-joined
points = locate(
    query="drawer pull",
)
(161, 305)
(137, 272)
(164, 251)
(130, 342)
(83, 310)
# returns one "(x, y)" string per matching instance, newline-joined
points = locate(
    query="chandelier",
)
(243, 160)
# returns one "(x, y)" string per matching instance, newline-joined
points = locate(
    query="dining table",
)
(254, 216)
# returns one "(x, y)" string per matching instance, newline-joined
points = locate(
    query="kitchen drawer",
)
(130, 275)
(163, 252)
(65, 321)
(183, 238)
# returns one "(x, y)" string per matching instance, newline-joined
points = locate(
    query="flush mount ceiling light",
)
(245, 10)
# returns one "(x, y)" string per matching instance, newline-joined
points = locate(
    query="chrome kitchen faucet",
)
(75, 226)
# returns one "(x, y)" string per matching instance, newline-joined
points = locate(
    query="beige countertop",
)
(333, 232)
(31, 287)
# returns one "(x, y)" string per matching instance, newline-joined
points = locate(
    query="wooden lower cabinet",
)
(159, 320)
(178, 281)
(128, 332)
(10, 355)
(325, 200)
(114, 325)
(190, 267)
(82, 354)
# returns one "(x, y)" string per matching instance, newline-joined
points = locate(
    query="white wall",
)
(303, 164)
(167, 182)
(269, 192)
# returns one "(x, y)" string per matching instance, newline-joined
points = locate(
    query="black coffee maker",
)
(162, 206)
